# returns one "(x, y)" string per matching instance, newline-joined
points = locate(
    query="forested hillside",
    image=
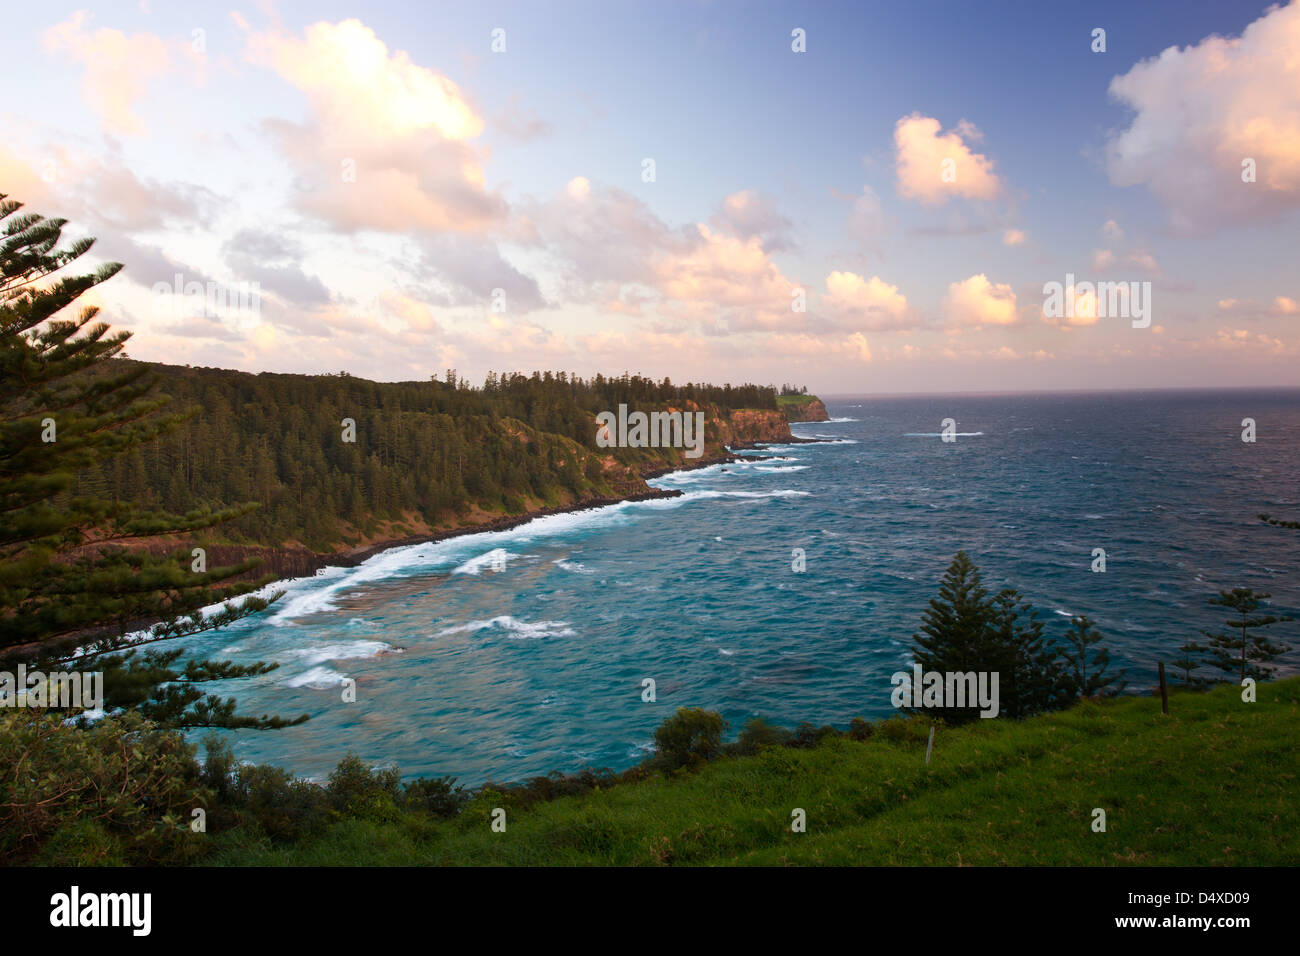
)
(425, 455)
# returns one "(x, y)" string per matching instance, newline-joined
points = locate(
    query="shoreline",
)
(353, 558)
(305, 563)
(295, 563)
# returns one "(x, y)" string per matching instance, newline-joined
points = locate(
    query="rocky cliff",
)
(812, 410)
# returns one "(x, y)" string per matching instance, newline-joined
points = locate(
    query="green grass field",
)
(1213, 783)
(782, 400)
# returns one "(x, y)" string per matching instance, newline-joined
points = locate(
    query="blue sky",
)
(499, 218)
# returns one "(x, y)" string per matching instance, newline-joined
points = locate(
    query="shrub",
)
(860, 729)
(478, 810)
(806, 736)
(758, 734)
(137, 782)
(689, 738)
(355, 790)
(913, 729)
(283, 807)
(267, 800)
(436, 796)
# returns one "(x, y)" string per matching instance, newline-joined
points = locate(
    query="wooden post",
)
(929, 745)
(1164, 689)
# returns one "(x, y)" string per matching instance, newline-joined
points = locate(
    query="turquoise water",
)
(480, 674)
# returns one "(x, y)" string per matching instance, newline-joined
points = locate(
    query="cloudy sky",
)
(677, 188)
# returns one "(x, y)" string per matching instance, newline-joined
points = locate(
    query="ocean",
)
(481, 674)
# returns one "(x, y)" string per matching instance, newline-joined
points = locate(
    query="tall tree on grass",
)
(1034, 676)
(1087, 670)
(955, 629)
(965, 629)
(1247, 653)
(69, 577)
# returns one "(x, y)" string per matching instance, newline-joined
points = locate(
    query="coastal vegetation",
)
(1210, 783)
(421, 455)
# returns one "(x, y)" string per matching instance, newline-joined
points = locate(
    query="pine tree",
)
(1088, 677)
(1248, 654)
(1032, 677)
(171, 697)
(1193, 657)
(67, 578)
(964, 629)
(954, 629)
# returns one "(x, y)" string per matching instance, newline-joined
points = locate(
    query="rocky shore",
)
(813, 410)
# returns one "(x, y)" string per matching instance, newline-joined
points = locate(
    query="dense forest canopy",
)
(423, 452)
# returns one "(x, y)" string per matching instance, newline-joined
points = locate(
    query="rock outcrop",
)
(810, 411)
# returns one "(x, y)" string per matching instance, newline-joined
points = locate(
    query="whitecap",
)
(318, 678)
(338, 651)
(711, 493)
(514, 628)
(577, 567)
(497, 557)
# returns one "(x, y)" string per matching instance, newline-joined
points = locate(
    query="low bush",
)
(689, 738)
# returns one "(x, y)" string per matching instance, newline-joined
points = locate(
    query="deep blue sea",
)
(481, 675)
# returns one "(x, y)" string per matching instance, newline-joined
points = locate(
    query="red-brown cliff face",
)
(813, 411)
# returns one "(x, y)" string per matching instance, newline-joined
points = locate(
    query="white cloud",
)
(387, 146)
(1084, 311)
(922, 152)
(1143, 261)
(1202, 111)
(747, 214)
(856, 346)
(1280, 306)
(723, 272)
(977, 301)
(118, 68)
(869, 303)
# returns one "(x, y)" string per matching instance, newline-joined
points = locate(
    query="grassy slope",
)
(782, 400)
(1214, 783)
